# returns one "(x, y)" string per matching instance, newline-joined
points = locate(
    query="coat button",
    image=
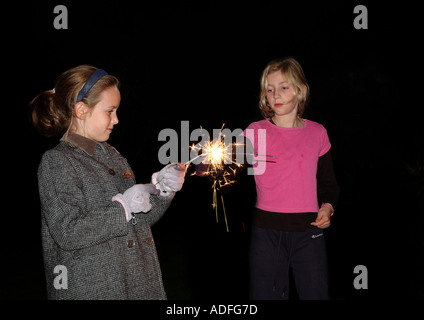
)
(127, 174)
(130, 243)
(149, 240)
(112, 172)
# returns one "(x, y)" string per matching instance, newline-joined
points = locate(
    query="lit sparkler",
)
(219, 164)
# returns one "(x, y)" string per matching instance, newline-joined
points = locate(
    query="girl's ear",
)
(303, 92)
(81, 110)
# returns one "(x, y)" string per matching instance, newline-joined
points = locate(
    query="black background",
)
(201, 62)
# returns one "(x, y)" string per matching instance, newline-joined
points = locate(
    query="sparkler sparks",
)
(216, 156)
(218, 163)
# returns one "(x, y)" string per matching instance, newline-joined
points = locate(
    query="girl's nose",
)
(115, 119)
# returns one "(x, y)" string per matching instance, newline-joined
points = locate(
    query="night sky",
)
(202, 63)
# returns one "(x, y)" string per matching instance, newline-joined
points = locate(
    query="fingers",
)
(141, 202)
(173, 184)
(321, 222)
(323, 219)
(150, 188)
(180, 167)
(175, 166)
(321, 225)
(174, 179)
(169, 179)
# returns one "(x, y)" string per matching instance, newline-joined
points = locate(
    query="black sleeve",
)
(327, 186)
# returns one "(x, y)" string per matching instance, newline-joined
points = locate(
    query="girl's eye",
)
(285, 88)
(269, 90)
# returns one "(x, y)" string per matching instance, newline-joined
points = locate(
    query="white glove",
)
(169, 179)
(136, 199)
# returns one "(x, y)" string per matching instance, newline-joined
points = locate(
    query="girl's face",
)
(99, 122)
(281, 95)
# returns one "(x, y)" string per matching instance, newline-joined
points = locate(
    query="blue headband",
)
(96, 76)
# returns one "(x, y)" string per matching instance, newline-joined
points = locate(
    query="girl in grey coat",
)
(96, 236)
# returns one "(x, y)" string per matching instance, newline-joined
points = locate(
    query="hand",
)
(169, 179)
(136, 199)
(323, 219)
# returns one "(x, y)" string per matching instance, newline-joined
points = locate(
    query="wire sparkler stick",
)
(190, 161)
(247, 154)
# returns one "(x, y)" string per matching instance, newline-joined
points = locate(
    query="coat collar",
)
(88, 145)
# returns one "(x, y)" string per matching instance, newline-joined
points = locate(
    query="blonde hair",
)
(295, 76)
(53, 110)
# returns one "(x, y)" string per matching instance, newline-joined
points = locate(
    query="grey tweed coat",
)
(84, 231)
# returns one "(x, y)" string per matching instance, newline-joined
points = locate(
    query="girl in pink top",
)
(296, 195)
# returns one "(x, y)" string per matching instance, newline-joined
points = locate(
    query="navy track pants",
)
(273, 252)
